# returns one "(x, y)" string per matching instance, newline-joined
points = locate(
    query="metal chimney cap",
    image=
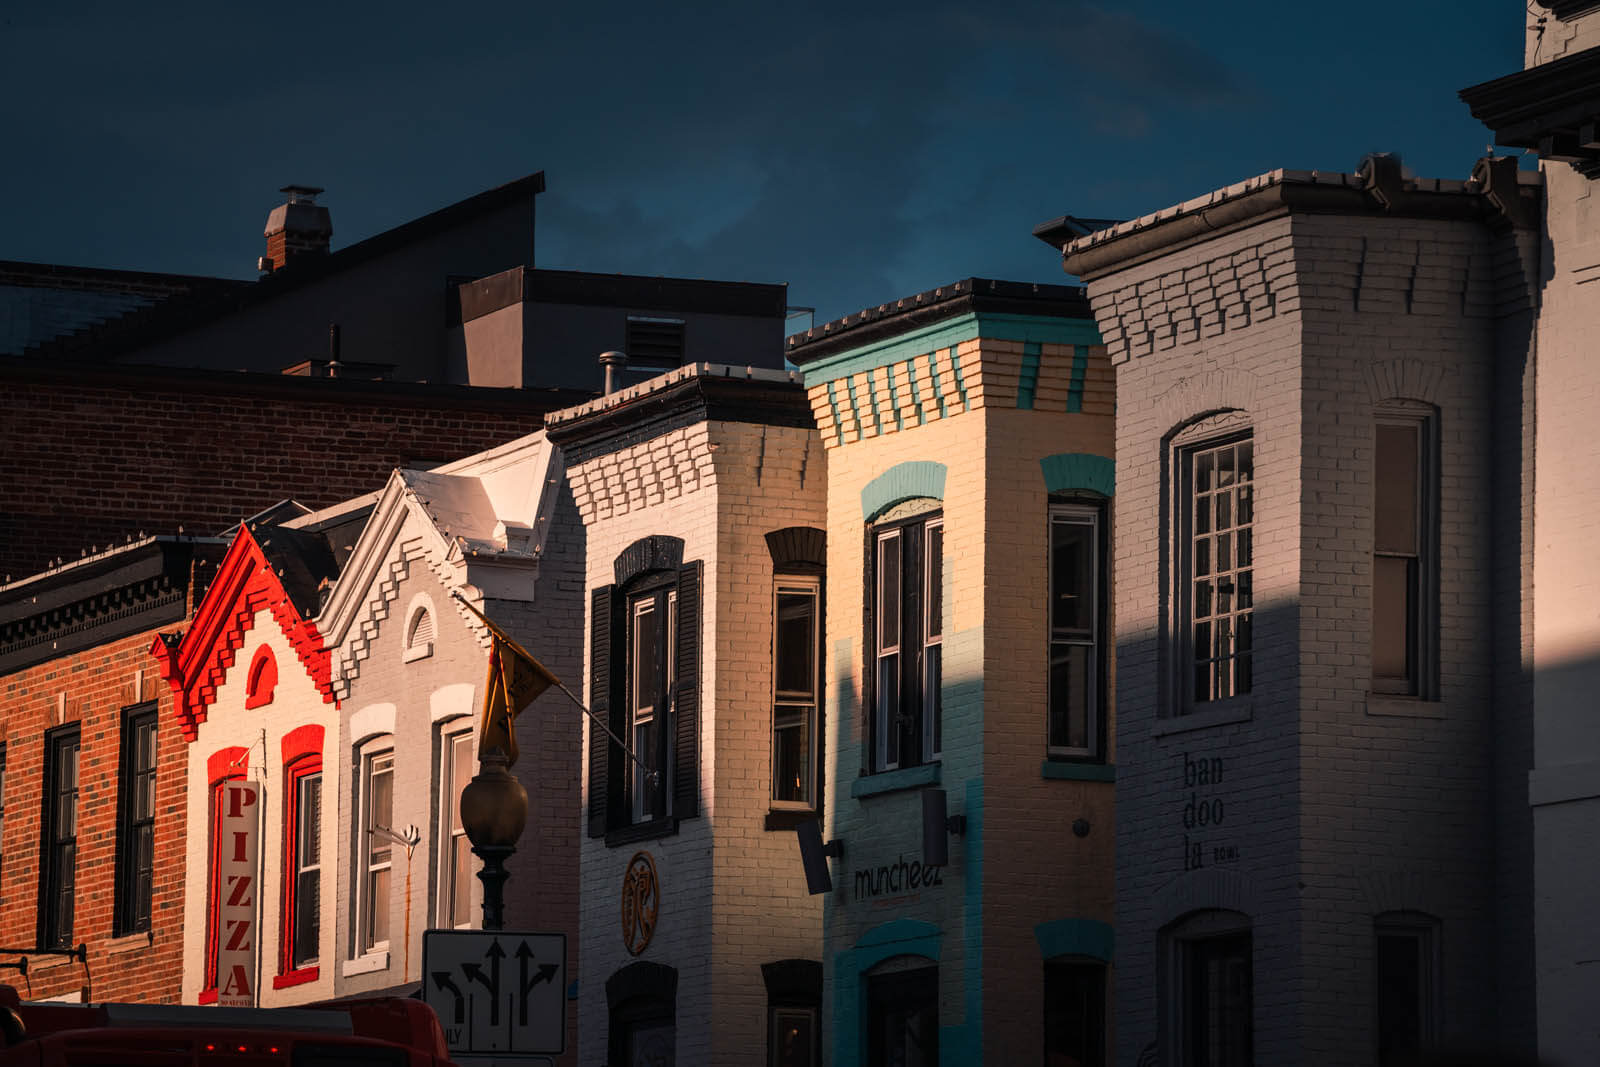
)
(299, 193)
(613, 359)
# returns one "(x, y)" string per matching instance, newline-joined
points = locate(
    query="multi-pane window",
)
(651, 655)
(136, 821)
(1218, 503)
(455, 851)
(795, 665)
(1074, 1011)
(1401, 571)
(1406, 986)
(304, 838)
(1076, 565)
(377, 849)
(1218, 1030)
(907, 631)
(794, 1037)
(60, 860)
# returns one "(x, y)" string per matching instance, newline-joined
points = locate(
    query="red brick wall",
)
(95, 455)
(97, 684)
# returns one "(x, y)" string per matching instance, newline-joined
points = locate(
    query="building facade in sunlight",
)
(971, 483)
(702, 493)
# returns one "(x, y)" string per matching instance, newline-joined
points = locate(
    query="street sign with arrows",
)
(497, 994)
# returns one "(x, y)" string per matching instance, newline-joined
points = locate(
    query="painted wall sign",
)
(895, 878)
(239, 841)
(1203, 811)
(641, 902)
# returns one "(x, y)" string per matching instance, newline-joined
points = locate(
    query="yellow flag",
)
(515, 680)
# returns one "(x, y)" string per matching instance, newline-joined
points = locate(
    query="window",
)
(1077, 622)
(1217, 507)
(377, 850)
(794, 1000)
(651, 643)
(1074, 1012)
(455, 851)
(59, 862)
(642, 1005)
(300, 937)
(906, 628)
(1403, 604)
(1407, 984)
(796, 681)
(261, 679)
(1211, 978)
(419, 635)
(644, 683)
(794, 1037)
(903, 1017)
(136, 821)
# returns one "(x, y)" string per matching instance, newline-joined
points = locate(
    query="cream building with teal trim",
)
(970, 484)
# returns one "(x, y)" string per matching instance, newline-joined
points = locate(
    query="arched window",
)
(1209, 988)
(419, 634)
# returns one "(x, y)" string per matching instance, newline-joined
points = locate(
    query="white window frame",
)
(805, 585)
(640, 719)
(1189, 562)
(1423, 616)
(378, 751)
(930, 647)
(1090, 515)
(450, 836)
(303, 829)
(883, 714)
(413, 648)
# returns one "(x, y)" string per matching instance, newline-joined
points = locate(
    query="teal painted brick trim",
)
(1076, 937)
(955, 369)
(855, 405)
(833, 402)
(1028, 380)
(933, 373)
(1080, 368)
(916, 394)
(918, 477)
(871, 785)
(893, 936)
(1078, 772)
(1079, 470)
(951, 332)
(894, 397)
(872, 402)
(898, 937)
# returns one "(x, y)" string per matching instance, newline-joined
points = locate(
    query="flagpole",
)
(654, 775)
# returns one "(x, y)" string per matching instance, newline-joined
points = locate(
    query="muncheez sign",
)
(892, 879)
(238, 843)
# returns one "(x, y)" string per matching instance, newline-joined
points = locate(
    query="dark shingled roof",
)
(303, 561)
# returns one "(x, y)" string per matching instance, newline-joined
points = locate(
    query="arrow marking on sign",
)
(443, 980)
(546, 972)
(475, 973)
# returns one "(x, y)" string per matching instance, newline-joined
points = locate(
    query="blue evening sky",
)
(858, 151)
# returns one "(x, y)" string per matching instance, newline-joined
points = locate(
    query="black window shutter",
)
(600, 672)
(686, 719)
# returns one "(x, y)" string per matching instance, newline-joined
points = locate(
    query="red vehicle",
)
(381, 1032)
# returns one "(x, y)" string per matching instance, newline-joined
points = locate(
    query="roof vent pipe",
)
(614, 363)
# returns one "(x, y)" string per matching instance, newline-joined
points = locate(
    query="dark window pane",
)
(796, 659)
(461, 875)
(1395, 522)
(308, 916)
(1246, 505)
(889, 592)
(791, 754)
(1246, 460)
(794, 1038)
(1217, 1002)
(1204, 466)
(1074, 1014)
(1202, 557)
(646, 664)
(933, 694)
(1071, 690)
(889, 705)
(933, 550)
(1072, 577)
(1400, 996)
(1202, 514)
(1392, 592)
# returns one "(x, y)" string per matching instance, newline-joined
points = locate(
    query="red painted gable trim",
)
(198, 665)
(301, 742)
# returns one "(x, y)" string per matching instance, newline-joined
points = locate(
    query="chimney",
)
(297, 228)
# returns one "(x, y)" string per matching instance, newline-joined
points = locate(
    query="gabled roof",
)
(487, 512)
(266, 568)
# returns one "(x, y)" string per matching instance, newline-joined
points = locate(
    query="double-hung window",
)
(1077, 611)
(455, 851)
(1403, 602)
(651, 652)
(59, 863)
(377, 849)
(136, 821)
(906, 626)
(796, 679)
(302, 933)
(1216, 508)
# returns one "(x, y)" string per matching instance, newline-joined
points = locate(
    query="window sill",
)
(294, 978)
(207, 996)
(119, 946)
(368, 964)
(48, 963)
(789, 818)
(1392, 705)
(1061, 770)
(1223, 712)
(644, 831)
(871, 785)
(416, 652)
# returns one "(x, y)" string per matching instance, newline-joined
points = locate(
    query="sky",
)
(859, 152)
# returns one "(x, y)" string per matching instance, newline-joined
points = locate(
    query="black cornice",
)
(1553, 108)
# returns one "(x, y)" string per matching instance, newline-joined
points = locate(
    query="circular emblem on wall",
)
(641, 902)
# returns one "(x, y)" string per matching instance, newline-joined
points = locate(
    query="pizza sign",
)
(238, 841)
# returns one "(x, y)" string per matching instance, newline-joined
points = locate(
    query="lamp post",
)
(494, 811)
